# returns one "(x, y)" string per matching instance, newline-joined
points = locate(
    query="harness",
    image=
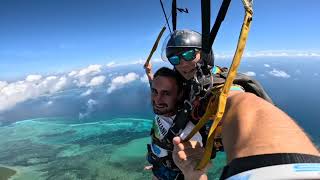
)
(215, 97)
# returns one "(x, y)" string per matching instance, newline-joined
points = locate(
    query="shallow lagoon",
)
(50, 149)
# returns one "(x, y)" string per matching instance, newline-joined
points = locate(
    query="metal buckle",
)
(187, 105)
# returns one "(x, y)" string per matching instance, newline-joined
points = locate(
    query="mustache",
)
(163, 104)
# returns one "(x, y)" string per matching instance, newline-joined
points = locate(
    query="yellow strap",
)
(218, 101)
(155, 45)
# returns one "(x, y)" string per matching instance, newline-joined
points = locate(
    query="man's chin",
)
(161, 112)
(158, 112)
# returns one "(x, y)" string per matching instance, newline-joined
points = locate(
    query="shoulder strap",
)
(179, 123)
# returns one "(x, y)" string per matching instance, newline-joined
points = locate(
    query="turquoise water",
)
(47, 148)
(40, 149)
(103, 146)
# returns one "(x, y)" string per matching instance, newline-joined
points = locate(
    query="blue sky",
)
(45, 37)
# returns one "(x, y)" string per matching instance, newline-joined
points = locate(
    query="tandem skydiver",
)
(166, 95)
(255, 133)
(183, 50)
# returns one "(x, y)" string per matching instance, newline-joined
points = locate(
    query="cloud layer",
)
(96, 81)
(119, 81)
(91, 77)
(250, 73)
(279, 73)
(272, 53)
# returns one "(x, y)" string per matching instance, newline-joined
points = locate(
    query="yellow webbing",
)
(155, 45)
(218, 100)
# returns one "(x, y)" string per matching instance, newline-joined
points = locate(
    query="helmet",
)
(180, 40)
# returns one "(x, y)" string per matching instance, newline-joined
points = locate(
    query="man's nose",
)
(157, 98)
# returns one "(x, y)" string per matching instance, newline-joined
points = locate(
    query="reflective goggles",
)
(186, 55)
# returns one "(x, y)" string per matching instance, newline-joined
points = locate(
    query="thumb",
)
(176, 140)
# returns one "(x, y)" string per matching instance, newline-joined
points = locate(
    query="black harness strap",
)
(174, 14)
(205, 18)
(165, 15)
(220, 17)
(179, 123)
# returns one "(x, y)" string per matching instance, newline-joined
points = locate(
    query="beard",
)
(164, 110)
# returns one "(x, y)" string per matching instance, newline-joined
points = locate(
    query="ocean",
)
(110, 143)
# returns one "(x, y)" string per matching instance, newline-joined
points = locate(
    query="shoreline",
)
(6, 173)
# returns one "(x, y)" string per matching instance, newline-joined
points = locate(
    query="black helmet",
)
(181, 40)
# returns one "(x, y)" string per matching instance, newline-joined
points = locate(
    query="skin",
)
(164, 95)
(148, 68)
(165, 87)
(186, 160)
(250, 126)
(188, 68)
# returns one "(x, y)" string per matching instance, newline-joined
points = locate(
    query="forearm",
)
(252, 126)
(150, 76)
(148, 70)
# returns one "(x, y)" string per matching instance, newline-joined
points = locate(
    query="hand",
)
(187, 156)
(148, 167)
(147, 67)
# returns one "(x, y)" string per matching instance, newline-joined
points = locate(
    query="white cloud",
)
(111, 64)
(33, 77)
(271, 53)
(16, 92)
(3, 84)
(279, 73)
(120, 81)
(48, 84)
(83, 77)
(250, 73)
(60, 84)
(91, 103)
(35, 86)
(49, 103)
(87, 93)
(51, 78)
(266, 65)
(82, 115)
(315, 74)
(20, 91)
(140, 61)
(90, 107)
(92, 69)
(72, 73)
(96, 81)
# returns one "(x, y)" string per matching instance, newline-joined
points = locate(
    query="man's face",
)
(188, 68)
(164, 95)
